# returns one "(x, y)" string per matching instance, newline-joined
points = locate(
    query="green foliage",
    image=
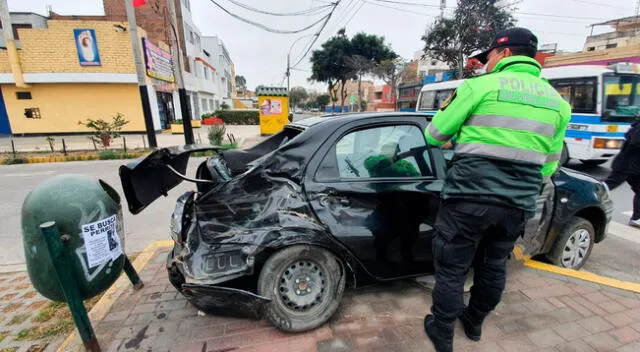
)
(13, 161)
(241, 83)
(390, 72)
(113, 155)
(239, 117)
(472, 28)
(216, 134)
(177, 122)
(297, 95)
(224, 106)
(341, 59)
(105, 131)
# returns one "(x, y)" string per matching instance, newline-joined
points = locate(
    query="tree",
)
(390, 71)
(322, 101)
(105, 131)
(297, 95)
(241, 83)
(368, 50)
(341, 59)
(330, 65)
(472, 28)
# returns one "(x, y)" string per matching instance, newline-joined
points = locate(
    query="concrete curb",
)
(100, 310)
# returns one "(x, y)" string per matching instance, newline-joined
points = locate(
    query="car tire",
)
(305, 285)
(593, 162)
(573, 247)
(564, 156)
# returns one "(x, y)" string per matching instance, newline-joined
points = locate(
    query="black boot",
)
(440, 335)
(472, 323)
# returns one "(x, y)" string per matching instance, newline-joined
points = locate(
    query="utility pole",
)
(176, 53)
(443, 5)
(288, 88)
(140, 71)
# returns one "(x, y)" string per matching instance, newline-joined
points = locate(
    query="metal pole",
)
(140, 71)
(178, 66)
(69, 286)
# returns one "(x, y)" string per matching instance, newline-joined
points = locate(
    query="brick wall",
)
(54, 49)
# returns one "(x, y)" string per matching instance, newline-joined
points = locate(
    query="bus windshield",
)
(622, 96)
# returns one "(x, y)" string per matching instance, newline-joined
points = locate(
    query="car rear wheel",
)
(574, 245)
(305, 285)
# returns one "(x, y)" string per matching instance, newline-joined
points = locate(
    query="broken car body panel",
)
(285, 191)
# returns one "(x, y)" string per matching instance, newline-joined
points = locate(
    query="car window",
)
(398, 151)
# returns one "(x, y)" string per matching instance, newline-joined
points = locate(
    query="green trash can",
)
(88, 214)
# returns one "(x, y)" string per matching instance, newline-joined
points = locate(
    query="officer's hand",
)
(447, 145)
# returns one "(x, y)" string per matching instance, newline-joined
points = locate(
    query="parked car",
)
(282, 228)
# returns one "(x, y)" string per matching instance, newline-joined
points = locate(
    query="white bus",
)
(604, 101)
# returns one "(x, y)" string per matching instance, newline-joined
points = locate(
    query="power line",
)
(354, 14)
(351, 4)
(317, 35)
(399, 9)
(600, 4)
(269, 29)
(309, 11)
(559, 16)
(407, 3)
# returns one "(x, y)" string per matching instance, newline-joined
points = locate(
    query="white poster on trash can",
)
(101, 241)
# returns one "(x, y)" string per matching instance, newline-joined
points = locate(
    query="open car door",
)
(146, 179)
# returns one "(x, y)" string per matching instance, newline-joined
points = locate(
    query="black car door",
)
(376, 187)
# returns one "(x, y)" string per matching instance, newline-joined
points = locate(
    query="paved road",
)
(616, 257)
(17, 180)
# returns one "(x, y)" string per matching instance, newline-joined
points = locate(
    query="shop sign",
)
(87, 47)
(158, 62)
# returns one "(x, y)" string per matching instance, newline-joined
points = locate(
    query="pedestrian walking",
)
(626, 167)
(509, 127)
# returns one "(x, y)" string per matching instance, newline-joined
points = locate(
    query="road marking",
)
(581, 274)
(28, 174)
(584, 275)
(627, 213)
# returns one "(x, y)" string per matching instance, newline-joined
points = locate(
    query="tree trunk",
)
(343, 95)
(360, 92)
(460, 63)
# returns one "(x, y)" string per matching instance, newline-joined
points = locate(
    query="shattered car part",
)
(361, 189)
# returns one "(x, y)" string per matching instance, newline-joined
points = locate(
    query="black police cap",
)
(510, 37)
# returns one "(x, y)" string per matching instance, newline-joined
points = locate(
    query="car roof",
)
(345, 118)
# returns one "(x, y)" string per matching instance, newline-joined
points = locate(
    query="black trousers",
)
(616, 178)
(481, 235)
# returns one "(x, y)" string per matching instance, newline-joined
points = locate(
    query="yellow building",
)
(75, 70)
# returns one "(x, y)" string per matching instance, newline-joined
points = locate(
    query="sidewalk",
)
(134, 141)
(539, 312)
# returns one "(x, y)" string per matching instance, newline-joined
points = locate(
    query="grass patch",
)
(53, 320)
(3, 335)
(226, 146)
(18, 319)
(9, 349)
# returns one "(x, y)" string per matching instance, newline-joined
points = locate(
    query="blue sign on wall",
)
(87, 47)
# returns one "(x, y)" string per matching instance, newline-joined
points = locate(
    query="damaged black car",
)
(279, 230)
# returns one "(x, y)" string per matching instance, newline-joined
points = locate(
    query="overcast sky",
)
(260, 56)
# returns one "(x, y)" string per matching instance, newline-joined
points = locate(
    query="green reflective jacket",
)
(509, 127)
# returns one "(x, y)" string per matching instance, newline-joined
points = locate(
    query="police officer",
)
(509, 127)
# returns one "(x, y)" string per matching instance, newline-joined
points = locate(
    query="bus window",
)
(580, 93)
(620, 100)
(442, 96)
(426, 100)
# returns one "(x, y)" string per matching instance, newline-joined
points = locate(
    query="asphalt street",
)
(616, 257)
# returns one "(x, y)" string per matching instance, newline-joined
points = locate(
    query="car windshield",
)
(622, 96)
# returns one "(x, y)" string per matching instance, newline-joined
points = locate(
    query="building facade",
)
(428, 65)
(71, 71)
(621, 45)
